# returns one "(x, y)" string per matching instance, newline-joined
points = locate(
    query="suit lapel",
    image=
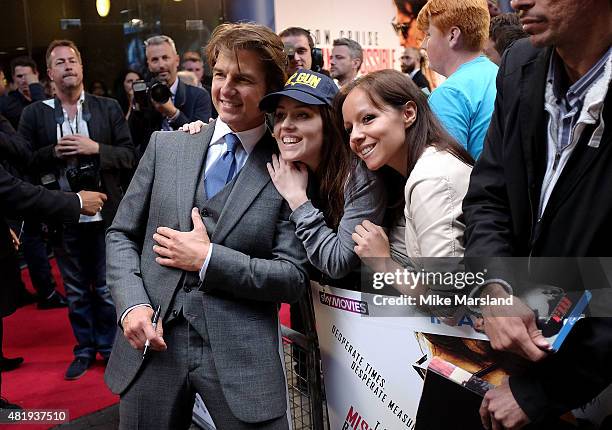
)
(190, 162)
(180, 96)
(252, 179)
(532, 116)
(50, 125)
(533, 125)
(92, 116)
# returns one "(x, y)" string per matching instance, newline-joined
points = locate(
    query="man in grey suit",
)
(203, 233)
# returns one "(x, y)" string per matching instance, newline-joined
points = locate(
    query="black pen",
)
(154, 322)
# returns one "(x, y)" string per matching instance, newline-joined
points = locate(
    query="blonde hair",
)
(470, 16)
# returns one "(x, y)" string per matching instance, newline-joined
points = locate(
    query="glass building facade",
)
(108, 44)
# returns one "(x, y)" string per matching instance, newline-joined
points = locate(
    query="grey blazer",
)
(257, 262)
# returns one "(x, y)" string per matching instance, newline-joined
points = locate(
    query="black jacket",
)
(193, 104)
(21, 199)
(13, 104)
(501, 214)
(421, 81)
(107, 126)
(15, 152)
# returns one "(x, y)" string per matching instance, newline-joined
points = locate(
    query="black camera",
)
(84, 176)
(316, 55)
(49, 181)
(317, 60)
(154, 90)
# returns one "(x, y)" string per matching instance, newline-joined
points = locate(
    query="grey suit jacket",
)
(256, 262)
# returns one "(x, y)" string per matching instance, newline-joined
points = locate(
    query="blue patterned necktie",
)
(222, 171)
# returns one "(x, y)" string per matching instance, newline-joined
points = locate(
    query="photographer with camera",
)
(299, 47)
(81, 142)
(164, 103)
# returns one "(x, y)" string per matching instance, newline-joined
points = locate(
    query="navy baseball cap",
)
(305, 86)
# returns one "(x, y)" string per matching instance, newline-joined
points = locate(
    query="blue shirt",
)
(464, 103)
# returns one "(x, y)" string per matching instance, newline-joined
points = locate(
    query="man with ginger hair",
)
(456, 34)
(204, 235)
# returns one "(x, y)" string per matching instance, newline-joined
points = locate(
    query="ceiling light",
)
(103, 7)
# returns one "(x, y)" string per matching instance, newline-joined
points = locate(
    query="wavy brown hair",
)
(337, 162)
(390, 89)
(232, 37)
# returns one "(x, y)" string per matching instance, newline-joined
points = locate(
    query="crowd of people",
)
(217, 199)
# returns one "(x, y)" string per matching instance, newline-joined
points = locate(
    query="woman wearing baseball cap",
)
(328, 189)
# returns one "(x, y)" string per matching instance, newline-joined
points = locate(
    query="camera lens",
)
(160, 93)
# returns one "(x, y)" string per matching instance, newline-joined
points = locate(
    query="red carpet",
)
(45, 340)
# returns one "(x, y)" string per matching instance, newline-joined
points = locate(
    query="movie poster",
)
(325, 19)
(374, 366)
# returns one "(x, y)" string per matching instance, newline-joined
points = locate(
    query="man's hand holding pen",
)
(138, 328)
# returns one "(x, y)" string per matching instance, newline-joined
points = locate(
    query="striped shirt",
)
(570, 100)
(564, 104)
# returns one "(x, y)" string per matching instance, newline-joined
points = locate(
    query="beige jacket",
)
(434, 194)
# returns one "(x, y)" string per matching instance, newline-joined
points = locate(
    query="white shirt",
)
(217, 146)
(75, 125)
(173, 88)
(433, 193)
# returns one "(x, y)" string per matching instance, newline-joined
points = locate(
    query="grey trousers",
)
(163, 394)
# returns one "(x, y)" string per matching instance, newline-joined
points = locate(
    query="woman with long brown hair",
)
(328, 189)
(390, 124)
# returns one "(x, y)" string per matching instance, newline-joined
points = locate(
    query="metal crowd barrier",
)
(303, 369)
